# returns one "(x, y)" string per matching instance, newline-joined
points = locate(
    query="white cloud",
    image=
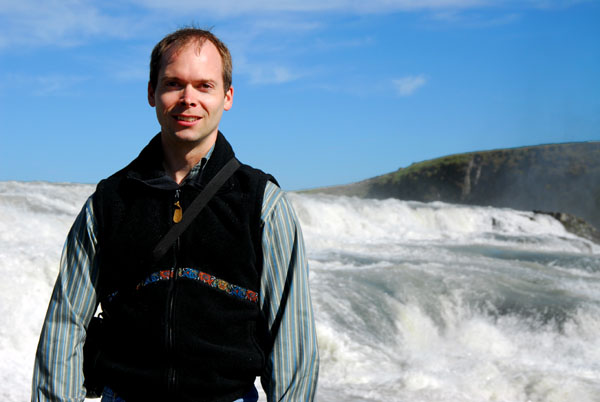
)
(269, 74)
(264, 71)
(131, 74)
(236, 7)
(44, 85)
(406, 86)
(347, 43)
(59, 22)
(255, 7)
(474, 20)
(285, 24)
(72, 22)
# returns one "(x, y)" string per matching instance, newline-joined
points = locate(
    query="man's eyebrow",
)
(201, 80)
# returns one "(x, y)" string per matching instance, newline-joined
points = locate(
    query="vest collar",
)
(148, 168)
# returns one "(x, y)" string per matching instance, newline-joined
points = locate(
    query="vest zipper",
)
(170, 313)
(171, 374)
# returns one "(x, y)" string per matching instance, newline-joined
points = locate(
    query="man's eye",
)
(171, 84)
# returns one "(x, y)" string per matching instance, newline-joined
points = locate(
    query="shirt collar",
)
(197, 169)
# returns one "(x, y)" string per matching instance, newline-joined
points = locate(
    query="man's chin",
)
(188, 137)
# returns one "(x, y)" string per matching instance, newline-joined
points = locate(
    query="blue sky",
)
(326, 92)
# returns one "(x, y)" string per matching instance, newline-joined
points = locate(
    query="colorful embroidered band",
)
(210, 280)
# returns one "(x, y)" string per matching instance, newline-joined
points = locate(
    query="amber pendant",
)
(178, 213)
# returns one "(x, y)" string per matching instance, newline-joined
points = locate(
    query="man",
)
(177, 328)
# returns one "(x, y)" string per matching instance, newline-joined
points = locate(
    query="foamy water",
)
(438, 302)
(34, 221)
(413, 301)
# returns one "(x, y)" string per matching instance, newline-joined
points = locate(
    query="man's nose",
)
(187, 96)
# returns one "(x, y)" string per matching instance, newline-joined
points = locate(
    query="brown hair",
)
(178, 39)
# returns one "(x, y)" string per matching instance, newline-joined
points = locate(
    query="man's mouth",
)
(187, 118)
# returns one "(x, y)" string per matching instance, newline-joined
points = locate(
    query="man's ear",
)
(228, 98)
(151, 99)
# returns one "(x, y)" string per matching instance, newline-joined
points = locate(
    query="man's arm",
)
(58, 374)
(292, 367)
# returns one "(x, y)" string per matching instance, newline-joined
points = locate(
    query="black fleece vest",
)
(187, 327)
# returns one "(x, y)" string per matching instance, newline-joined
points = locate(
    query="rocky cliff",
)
(555, 177)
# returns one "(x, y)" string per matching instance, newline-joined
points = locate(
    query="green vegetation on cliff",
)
(553, 177)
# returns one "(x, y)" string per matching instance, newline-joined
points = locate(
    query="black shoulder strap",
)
(199, 202)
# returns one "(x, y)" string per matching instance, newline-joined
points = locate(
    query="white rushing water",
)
(413, 301)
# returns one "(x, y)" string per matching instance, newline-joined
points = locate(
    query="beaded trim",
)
(208, 279)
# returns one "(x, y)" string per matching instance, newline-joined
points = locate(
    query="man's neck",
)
(181, 157)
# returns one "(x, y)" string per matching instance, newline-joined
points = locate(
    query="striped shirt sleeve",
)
(58, 374)
(292, 368)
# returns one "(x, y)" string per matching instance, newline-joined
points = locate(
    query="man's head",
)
(190, 87)
(181, 38)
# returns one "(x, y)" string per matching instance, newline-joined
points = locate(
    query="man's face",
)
(189, 96)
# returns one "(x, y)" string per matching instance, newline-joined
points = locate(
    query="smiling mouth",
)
(186, 118)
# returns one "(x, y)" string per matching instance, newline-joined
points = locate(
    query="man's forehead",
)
(197, 44)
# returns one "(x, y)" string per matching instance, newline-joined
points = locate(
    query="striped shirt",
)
(292, 369)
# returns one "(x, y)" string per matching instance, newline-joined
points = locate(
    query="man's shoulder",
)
(252, 171)
(116, 176)
(112, 182)
(148, 161)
